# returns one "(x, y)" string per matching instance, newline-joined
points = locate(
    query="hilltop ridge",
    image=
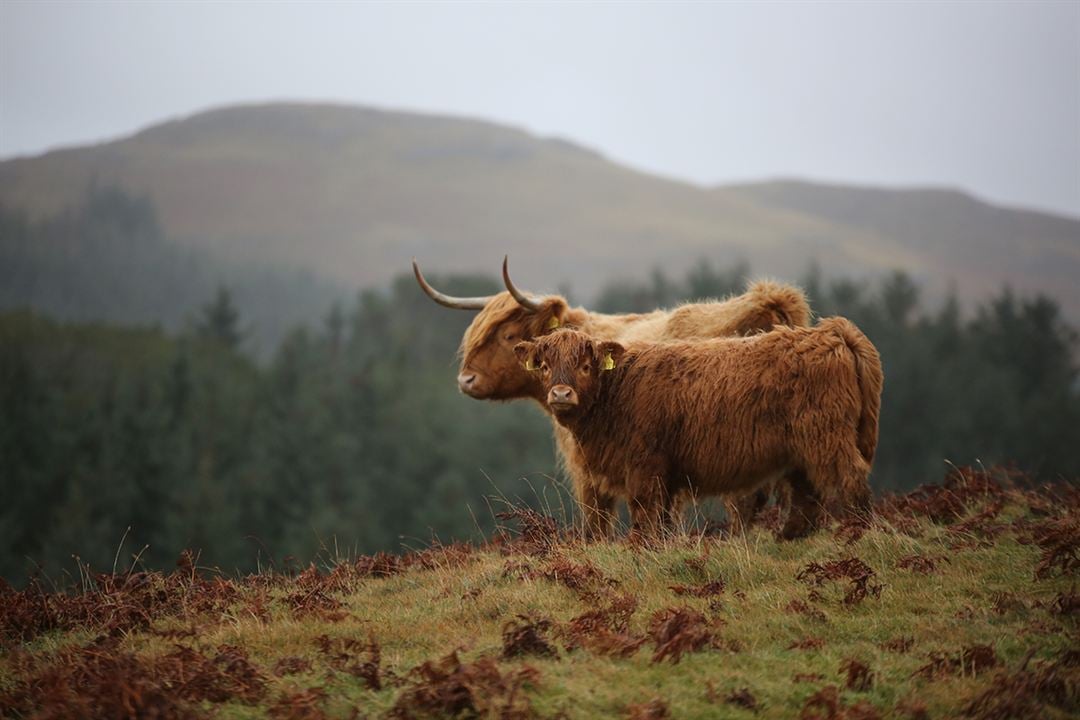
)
(353, 193)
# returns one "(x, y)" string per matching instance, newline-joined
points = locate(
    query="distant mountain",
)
(955, 235)
(353, 193)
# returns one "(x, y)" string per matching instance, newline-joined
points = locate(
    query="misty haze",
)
(539, 360)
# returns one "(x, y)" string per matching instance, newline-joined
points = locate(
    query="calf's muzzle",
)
(561, 397)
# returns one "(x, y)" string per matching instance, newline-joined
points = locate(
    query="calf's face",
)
(569, 366)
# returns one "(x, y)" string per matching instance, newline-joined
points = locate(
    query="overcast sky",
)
(984, 97)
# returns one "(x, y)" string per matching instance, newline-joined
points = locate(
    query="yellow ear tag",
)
(529, 365)
(609, 363)
(553, 323)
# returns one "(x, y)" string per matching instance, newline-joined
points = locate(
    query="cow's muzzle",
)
(470, 384)
(562, 397)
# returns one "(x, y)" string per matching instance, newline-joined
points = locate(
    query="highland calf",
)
(719, 416)
(490, 370)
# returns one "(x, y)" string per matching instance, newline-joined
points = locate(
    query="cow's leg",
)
(843, 478)
(742, 509)
(781, 490)
(673, 516)
(597, 506)
(649, 501)
(854, 498)
(805, 511)
(598, 510)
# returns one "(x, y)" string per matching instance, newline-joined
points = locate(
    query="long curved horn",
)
(524, 300)
(471, 303)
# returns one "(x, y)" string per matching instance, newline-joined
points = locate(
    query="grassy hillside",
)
(958, 600)
(352, 193)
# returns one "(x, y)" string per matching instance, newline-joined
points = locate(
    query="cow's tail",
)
(787, 303)
(870, 378)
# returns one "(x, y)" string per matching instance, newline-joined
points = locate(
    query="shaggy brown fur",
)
(719, 416)
(487, 353)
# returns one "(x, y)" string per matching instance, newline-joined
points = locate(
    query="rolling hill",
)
(976, 244)
(352, 193)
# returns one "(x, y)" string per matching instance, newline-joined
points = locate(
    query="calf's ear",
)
(525, 352)
(608, 354)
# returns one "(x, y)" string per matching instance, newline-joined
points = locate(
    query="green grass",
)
(424, 614)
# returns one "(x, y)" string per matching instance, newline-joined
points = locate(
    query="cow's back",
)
(763, 306)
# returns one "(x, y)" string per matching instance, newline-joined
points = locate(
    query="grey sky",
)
(985, 97)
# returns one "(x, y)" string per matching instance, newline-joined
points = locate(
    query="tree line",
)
(107, 258)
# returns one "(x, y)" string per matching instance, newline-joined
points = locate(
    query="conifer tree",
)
(220, 321)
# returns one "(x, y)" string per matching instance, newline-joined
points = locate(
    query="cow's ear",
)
(553, 314)
(608, 354)
(526, 354)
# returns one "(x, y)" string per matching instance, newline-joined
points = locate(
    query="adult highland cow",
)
(490, 370)
(719, 416)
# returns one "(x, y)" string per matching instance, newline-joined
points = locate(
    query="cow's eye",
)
(510, 337)
(586, 368)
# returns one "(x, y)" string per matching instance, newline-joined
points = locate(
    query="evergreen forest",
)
(156, 400)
